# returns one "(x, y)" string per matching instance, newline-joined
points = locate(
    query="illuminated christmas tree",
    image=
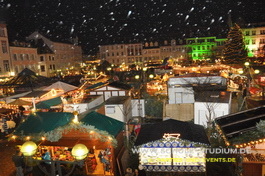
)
(235, 51)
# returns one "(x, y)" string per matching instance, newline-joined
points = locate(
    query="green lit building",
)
(201, 48)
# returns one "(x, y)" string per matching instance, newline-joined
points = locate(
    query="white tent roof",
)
(61, 86)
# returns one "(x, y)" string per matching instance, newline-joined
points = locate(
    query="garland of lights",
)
(248, 138)
(173, 139)
(56, 134)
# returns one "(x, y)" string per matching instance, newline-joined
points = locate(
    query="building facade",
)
(4, 52)
(56, 57)
(255, 41)
(22, 57)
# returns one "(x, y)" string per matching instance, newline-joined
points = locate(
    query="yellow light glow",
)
(28, 138)
(246, 63)
(14, 137)
(256, 71)
(43, 138)
(29, 148)
(79, 151)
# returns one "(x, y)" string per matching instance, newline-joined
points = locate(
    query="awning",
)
(99, 84)
(103, 123)
(49, 103)
(240, 123)
(43, 122)
(187, 130)
(20, 102)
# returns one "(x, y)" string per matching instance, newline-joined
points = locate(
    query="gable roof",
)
(213, 96)
(187, 131)
(48, 103)
(104, 123)
(116, 100)
(97, 85)
(120, 85)
(59, 85)
(234, 125)
(20, 102)
(27, 78)
(43, 122)
(36, 93)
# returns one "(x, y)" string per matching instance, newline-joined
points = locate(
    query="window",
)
(253, 32)
(32, 57)
(262, 41)
(27, 56)
(2, 32)
(4, 46)
(41, 58)
(21, 57)
(15, 57)
(253, 41)
(262, 31)
(247, 32)
(110, 109)
(6, 65)
(247, 42)
(42, 68)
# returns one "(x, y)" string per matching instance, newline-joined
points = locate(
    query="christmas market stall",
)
(245, 130)
(58, 132)
(172, 146)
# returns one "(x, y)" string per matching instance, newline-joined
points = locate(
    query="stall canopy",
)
(20, 102)
(234, 125)
(42, 122)
(59, 85)
(103, 123)
(187, 130)
(47, 104)
(97, 85)
(34, 94)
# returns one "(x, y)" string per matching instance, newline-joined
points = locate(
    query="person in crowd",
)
(47, 156)
(19, 162)
(129, 172)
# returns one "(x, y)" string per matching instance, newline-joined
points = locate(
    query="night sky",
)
(99, 22)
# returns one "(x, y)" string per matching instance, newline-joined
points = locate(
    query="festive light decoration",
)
(235, 50)
(29, 148)
(56, 134)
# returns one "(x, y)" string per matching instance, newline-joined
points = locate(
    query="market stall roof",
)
(37, 93)
(236, 124)
(20, 102)
(47, 104)
(5, 111)
(43, 122)
(59, 85)
(103, 123)
(27, 78)
(187, 130)
(97, 85)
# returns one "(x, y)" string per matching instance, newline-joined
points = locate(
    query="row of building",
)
(37, 53)
(179, 50)
(48, 58)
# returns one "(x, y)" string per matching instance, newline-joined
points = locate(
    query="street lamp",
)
(29, 148)
(137, 77)
(79, 152)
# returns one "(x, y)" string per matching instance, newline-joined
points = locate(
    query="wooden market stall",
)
(245, 130)
(172, 146)
(56, 132)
